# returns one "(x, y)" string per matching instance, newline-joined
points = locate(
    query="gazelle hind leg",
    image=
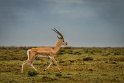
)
(25, 62)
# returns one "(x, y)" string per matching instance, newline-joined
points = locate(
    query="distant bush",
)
(88, 51)
(88, 58)
(76, 53)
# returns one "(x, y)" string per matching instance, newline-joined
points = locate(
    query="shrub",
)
(32, 73)
(88, 58)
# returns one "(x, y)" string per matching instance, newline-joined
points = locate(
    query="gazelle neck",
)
(58, 45)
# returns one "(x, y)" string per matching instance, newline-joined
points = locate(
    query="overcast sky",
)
(82, 22)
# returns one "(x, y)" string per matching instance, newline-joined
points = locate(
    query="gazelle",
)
(48, 52)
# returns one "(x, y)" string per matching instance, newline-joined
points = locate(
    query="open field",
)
(78, 65)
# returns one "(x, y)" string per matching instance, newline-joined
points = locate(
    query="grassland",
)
(78, 65)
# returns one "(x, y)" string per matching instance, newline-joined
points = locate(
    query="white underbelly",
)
(43, 56)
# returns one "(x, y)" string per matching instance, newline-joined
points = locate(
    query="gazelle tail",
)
(28, 53)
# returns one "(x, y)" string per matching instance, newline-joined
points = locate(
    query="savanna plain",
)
(78, 65)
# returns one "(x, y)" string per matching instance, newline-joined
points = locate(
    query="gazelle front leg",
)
(33, 66)
(53, 59)
(49, 64)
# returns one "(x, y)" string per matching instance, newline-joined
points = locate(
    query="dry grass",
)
(87, 65)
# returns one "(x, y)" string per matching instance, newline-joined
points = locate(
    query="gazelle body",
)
(49, 52)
